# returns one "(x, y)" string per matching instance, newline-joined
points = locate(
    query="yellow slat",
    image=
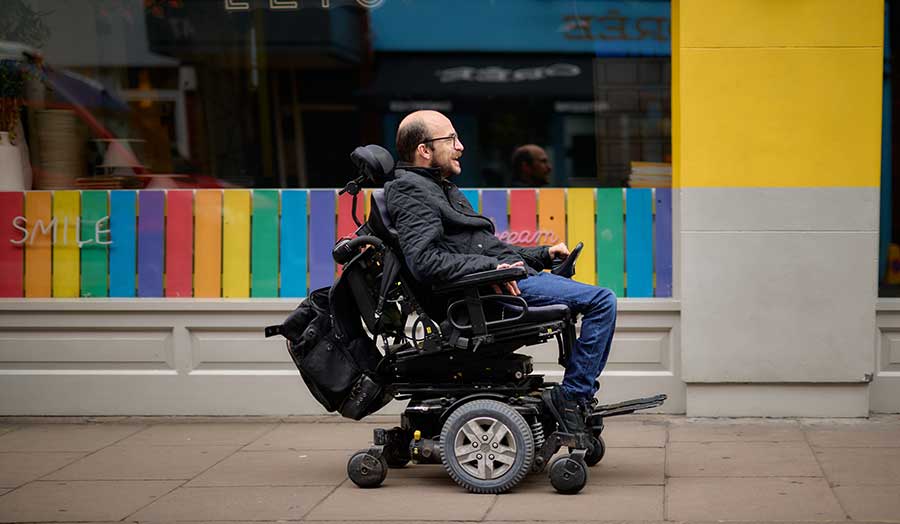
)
(38, 207)
(581, 227)
(66, 259)
(236, 244)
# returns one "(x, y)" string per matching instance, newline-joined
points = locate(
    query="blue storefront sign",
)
(599, 27)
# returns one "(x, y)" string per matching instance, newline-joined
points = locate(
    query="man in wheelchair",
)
(474, 404)
(443, 239)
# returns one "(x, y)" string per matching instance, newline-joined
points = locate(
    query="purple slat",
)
(151, 234)
(494, 206)
(663, 249)
(321, 238)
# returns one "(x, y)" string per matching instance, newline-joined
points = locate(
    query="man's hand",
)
(511, 287)
(559, 251)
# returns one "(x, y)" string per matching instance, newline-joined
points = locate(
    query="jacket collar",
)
(432, 173)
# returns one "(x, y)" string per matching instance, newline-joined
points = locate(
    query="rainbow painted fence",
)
(277, 243)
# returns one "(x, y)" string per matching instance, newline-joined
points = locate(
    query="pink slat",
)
(179, 243)
(523, 216)
(12, 256)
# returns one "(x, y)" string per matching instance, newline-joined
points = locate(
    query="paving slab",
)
(144, 463)
(316, 436)
(781, 431)
(278, 468)
(634, 435)
(751, 499)
(20, 468)
(65, 437)
(628, 467)
(4, 428)
(421, 499)
(80, 501)
(854, 438)
(878, 503)
(860, 466)
(742, 459)
(205, 434)
(540, 502)
(233, 503)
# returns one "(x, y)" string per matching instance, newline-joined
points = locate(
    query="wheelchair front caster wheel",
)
(568, 475)
(367, 470)
(594, 453)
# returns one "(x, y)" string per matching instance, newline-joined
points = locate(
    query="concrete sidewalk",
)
(657, 468)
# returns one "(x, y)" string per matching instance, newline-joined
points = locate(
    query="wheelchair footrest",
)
(628, 406)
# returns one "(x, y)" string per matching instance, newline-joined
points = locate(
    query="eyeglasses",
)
(448, 137)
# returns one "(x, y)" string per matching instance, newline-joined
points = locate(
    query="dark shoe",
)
(567, 411)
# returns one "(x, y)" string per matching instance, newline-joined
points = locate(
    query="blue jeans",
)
(597, 305)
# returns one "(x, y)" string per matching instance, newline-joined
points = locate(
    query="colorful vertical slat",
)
(321, 238)
(66, 259)
(264, 248)
(552, 215)
(639, 242)
(293, 243)
(38, 250)
(472, 196)
(522, 215)
(581, 226)
(179, 243)
(236, 244)
(610, 242)
(123, 250)
(12, 256)
(151, 227)
(495, 206)
(663, 234)
(208, 243)
(94, 254)
(345, 224)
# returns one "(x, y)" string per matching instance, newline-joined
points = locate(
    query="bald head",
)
(415, 128)
(425, 139)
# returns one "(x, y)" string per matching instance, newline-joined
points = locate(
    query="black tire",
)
(515, 445)
(595, 453)
(367, 470)
(568, 475)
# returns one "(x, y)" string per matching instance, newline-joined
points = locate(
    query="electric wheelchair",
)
(475, 405)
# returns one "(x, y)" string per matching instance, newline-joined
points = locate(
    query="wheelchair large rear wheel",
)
(487, 446)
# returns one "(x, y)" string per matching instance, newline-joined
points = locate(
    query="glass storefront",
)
(143, 94)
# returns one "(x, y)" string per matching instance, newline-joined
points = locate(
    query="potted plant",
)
(12, 88)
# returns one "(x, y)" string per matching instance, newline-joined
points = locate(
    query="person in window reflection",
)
(443, 238)
(530, 166)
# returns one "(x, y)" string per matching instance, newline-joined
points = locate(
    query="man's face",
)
(447, 150)
(540, 166)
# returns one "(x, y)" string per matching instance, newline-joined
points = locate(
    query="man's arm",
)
(420, 229)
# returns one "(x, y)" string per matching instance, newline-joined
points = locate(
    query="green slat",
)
(610, 244)
(264, 244)
(94, 257)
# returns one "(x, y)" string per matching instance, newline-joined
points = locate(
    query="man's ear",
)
(424, 151)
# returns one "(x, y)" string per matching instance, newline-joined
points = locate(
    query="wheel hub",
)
(489, 432)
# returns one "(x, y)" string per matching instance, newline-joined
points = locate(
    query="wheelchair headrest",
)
(375, 162)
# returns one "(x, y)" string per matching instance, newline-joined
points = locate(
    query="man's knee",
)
(604, 300)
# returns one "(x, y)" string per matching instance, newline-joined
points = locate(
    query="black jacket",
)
(442, 237)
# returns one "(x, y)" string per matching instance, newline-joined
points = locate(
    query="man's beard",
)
(446, 169)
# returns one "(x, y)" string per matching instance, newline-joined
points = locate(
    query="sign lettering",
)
(20, 223)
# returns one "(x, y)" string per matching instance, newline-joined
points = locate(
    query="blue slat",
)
(293, 243)
(151, 230)
(322, 230)
(472, 197)
(123, 250)
(663, 253)
(494, 206)
(639, 242)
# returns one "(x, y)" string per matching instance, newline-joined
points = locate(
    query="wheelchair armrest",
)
(494, 276)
